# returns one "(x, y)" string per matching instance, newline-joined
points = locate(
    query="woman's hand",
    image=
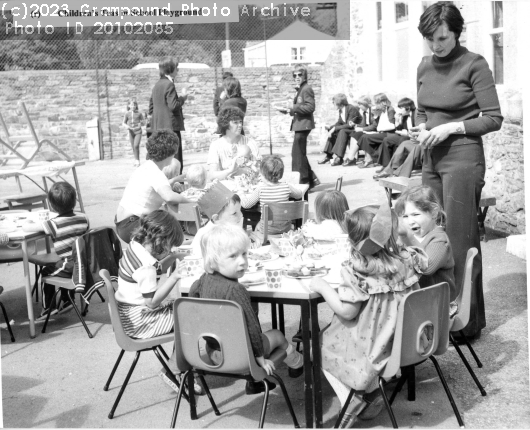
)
(267, 365)
(433, 137)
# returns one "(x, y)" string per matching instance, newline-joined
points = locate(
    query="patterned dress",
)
(356, 351)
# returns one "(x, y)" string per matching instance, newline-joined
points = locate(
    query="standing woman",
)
(457, 104)
(301, 110)
(165, 106)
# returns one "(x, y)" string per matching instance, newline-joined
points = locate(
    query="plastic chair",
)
(422, 331)
(6, 317)
(222, 320)
(283, 211)
(129, 344)
(461, 319)
(188, 212)
(338, 184)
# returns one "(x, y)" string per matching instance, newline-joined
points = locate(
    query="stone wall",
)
(61, 102)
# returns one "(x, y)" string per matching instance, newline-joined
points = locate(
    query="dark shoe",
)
(379, 170)
(336, 162)
(374, 406)
(365, 165)
(382, 175)
(297, 338)
(325, 160)
(295, 373)
(314, 183)
(253, 387)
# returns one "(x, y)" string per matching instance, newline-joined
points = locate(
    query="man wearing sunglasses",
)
(301, 109)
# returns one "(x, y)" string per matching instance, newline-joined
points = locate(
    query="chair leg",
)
(461, 332)
(72, 300)
(264, 406)
(191, 393)
(287, 400)
(343, 409)
(210, 398)
(399, 386)
(122, 389)
(299, 330)
(177, 402)
(106, 387)
(387, 404)
(468, 367)
(100, 296)
(448, 392)
(411, 384)
(35, 289)
(49, 310)
(163, 352)
(169, 373)
(7, 322)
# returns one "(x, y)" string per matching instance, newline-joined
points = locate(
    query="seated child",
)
(245, 159)
(224, 251)
(423, 225)
(196, 177)
(172, 172)
(330, 207)
(270, 190)
(221, 206)
(357, 344)
(139, 293)
(64, 229)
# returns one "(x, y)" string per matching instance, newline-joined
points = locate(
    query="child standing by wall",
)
(423, 225)
(134, 120)
(357, 343)
(64, 229)
(224, 251)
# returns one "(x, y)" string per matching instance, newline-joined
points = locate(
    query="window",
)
(402, 11)
(298, 54)
(302, 53)
(497, 39)
(294, 54)
(379, 15)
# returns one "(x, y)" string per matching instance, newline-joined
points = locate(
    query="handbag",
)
(384, 123)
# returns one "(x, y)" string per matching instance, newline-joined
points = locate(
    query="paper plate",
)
(321, 272)
(273, 256)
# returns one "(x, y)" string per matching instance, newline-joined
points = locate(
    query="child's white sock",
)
(294, 359)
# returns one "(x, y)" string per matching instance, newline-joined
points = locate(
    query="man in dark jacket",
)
(165, 106)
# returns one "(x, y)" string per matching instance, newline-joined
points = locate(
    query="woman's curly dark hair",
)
(162, 144)
(159, 229)
(227, 114)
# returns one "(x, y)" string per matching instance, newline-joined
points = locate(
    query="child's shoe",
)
(375, 402)
(197, 389)
(253, 387)
(294, 361)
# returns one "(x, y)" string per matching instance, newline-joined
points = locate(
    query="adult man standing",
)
(165, 106)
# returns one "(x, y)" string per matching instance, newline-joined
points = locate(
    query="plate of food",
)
(304, 271)
(256, 255)
(253, 277)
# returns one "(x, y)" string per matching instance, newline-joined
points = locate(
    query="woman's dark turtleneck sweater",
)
(457, 88)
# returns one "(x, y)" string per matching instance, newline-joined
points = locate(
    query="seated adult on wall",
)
(222, 156)
(148, 188)
(370, 143)
(405, 120)
(366, 124)
(408, 157)
(339, 134)
(231, 96)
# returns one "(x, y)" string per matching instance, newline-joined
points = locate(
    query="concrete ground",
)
(56, 379)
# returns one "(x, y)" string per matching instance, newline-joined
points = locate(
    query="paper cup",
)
(44, 215)
(191, 266)
(273, 276)
(286, 249)
(342, 244)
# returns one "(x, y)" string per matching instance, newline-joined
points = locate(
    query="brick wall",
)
(60, 103)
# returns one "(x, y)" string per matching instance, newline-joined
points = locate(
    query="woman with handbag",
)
(370, 143)
(134, 120)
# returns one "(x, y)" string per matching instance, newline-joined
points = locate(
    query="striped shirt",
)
(64, 230)
(270, 193)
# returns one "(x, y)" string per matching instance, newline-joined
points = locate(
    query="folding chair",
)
(6, 317)
(127, 343)
(461, 319)
(338, 184)
(223, 321)
(283, 211)
(422, 331)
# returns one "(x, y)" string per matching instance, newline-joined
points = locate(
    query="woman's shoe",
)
(366, 164)
(336, 162)
(380, 170)
(325, 160)
(382, 175)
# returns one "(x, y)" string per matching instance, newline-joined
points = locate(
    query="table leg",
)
(27, 285)
(308, 374)
(317, 384)
(281, 318)
(274, 316)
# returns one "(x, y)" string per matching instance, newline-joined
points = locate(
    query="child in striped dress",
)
(270, 190)
(139, 294)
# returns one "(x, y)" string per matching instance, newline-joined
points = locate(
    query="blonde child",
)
(196, 177)
(224, 251)
(423, 225)
(330, 207)
(270, 190)
(221, 206)
(357, 343)
(245, 159)
(133, 121)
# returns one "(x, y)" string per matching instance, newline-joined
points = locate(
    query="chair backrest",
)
(222, 320)
(283, 211)
(338, 184)
(464, 298)
(422, 327)
(188, 212)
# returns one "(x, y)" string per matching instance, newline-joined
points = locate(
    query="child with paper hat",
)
(221, 206)
(378, 274)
